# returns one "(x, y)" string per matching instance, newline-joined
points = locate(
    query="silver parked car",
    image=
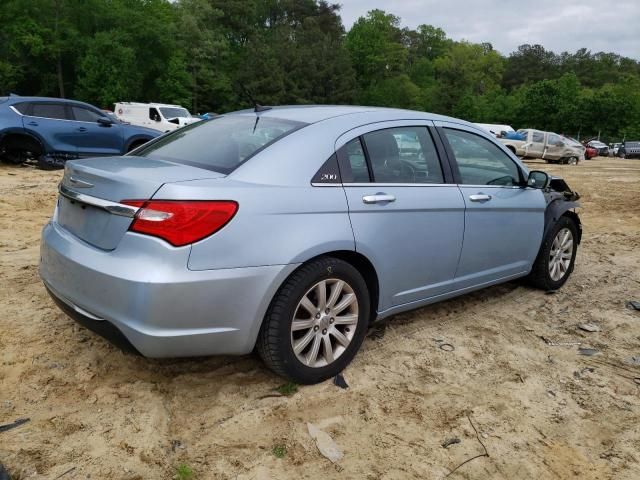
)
(291, 229)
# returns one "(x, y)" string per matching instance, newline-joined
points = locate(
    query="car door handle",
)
(33, 124)
(82, 129)
(480, 197)
(378, 198)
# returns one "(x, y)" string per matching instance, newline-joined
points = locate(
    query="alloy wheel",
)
(324, 322)
(560, 254)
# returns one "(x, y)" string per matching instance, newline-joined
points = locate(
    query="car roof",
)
(318, 113)
(19, 99)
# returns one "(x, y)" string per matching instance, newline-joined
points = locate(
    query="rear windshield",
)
(220, 144)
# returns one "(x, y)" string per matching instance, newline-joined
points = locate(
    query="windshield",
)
(173, 112)
(220, 144)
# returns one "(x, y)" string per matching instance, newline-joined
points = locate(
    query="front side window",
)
(49, 110)
(222, 143)
(403, 155)
(85, 115)
(554, 139)
(480, 162)
(154, 115)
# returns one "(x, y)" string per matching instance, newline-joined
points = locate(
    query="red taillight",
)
(181, 222)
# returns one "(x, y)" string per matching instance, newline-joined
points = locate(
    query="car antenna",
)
(257, 108)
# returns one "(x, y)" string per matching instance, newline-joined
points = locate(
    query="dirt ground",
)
(542, 410)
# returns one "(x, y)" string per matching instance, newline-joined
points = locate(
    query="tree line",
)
(221, 55)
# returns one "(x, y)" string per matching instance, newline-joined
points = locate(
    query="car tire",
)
(572, 161)
(318, 320)
(14, 156)
(555, 251)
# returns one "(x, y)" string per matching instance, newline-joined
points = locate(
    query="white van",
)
(158, 116)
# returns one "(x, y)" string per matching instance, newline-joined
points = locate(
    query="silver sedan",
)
(290, 230)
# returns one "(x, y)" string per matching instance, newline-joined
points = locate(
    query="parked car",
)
(603, 148)
(590, 152)
(159, 116)
(629, 149)
(548, 146)
(293, 229)
(53, 130)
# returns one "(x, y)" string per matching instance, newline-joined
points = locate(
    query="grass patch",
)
(279, 451)
(184, 472)
(287, 389)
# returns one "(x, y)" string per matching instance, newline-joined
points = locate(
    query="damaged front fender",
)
(561, 200)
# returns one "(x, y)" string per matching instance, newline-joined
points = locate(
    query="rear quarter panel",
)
(274, 225)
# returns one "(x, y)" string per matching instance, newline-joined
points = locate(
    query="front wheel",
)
(316, 322)
(557, 255)
(572, 161)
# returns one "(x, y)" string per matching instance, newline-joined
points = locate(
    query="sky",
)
(558, 25)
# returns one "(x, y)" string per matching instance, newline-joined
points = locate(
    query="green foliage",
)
(279, 451)
(213, 55)
(287, 389)
(183, 472)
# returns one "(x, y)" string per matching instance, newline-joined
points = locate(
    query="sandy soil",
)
(542, 411)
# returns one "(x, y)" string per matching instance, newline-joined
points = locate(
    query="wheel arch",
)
(557, 209)
(10, 135)
(360, 263)
(135, 142)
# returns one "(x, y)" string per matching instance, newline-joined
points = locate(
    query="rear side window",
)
(403, 155)
(85, 115)
(481, 162)
(21, 107)
(49, 110)
(222, 143)
(354, 154)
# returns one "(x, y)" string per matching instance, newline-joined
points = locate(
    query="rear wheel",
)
(316, 322)
(556, 258)
(17, 149)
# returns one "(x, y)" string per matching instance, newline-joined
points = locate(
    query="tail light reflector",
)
(181, 222)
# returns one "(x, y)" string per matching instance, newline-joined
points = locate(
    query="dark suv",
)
(53, 130)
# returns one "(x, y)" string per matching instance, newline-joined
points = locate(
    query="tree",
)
(376, 48)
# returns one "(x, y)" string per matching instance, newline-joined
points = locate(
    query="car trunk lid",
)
(92, 191)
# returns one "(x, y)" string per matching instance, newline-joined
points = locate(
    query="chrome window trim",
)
(16, 110)
(111, 207)
(371, 184)
(63, 119)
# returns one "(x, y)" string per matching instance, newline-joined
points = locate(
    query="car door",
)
(554, 147)
(92, 138)
(504, 219)
(49, 121)
(535, 147)
(406, 219)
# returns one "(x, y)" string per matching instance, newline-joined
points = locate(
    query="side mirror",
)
(104, 122)
(538, 179)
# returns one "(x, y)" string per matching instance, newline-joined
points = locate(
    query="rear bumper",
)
(143, 297)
